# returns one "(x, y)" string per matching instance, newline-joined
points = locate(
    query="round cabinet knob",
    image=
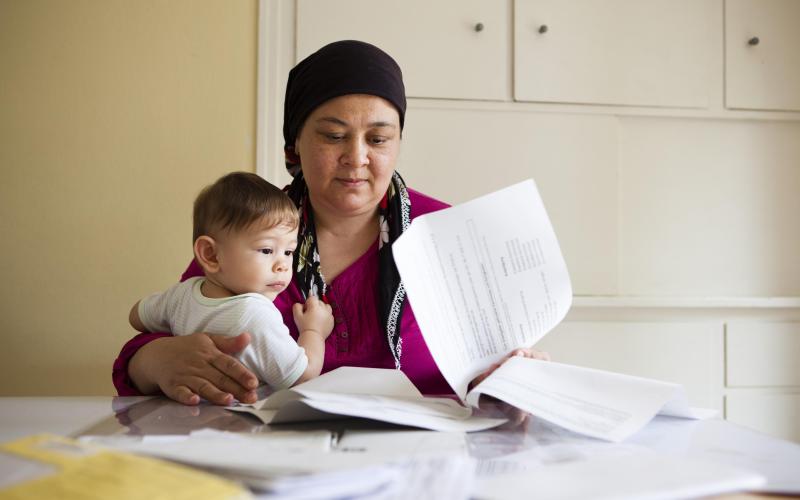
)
(478, 27)
(543, 29)
(753, 41)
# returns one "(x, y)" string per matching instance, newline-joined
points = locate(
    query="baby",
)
(245, 232)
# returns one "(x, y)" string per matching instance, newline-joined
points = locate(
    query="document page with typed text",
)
(483, 278)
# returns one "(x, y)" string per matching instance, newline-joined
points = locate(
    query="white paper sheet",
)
(483, 278)
(487, 277)
(380, 394)
(597, 403)
(264, 454)
(635, 476)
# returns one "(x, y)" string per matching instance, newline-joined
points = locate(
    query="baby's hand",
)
(313, 315)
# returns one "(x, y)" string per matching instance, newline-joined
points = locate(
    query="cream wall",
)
(113, 115)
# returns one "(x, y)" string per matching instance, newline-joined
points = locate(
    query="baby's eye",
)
(266, 251)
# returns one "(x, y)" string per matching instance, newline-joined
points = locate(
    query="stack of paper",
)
(379, 394)
(485, 278)
(316, 464)
(642, 475)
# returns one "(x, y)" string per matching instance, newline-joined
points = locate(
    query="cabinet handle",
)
(543, 29)
(478, 27)
(753, 41)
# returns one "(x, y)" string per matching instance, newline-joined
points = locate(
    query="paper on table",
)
(612, 406)
(634, 476)
(354, 380)
(391, 444)
(224, 450)
(380, 394)
(300, 464)
(484, 277)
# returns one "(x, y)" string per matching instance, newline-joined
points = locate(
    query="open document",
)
(484, 278)
(487, 277)
(374, 393)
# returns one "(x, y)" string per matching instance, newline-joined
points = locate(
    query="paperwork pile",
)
(319, 464)
(484, 278)
(374, 393)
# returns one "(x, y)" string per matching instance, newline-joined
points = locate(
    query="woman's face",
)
(348, 148)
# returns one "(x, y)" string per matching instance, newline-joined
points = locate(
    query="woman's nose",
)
(356, 154)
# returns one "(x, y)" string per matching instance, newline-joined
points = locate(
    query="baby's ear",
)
(205, 252)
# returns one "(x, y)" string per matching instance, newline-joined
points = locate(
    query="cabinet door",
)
(762, 54)
(624, 52)
(447, 49)
(762, 354)
(777, 414)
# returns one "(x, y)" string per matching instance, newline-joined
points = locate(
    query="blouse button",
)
(343, 335)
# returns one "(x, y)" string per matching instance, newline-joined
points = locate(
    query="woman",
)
(343, 116)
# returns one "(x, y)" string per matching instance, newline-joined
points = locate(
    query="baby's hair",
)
(239, 199)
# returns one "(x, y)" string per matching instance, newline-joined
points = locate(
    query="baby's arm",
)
(134, 319)
(314, 322)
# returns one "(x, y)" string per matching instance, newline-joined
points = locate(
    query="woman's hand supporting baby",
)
(314, 321)
(187, 368)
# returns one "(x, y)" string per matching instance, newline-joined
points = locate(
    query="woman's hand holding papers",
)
(516, 418)
(524, 352)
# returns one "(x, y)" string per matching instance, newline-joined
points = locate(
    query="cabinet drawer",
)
(689, 354)
(763, 354)
(456, 49)
(762, 54)
(628, 52)
(775, 414)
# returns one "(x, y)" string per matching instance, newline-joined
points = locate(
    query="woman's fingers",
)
(231, 345)
(196, 366)
(212, 394)
(531, 353)
(231, 367)
(182, 394)
(524, 352)
(231, 379)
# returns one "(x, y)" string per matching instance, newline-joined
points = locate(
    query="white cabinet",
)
(451, 49)
(762, 54)
(625, 52)
(777, 414)
(763, 376)
(762, 354)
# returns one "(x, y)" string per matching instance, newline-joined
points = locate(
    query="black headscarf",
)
(337, 69)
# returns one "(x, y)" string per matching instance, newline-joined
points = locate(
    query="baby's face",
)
(257, 259)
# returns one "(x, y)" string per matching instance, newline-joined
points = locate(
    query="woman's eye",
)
(334, 137)
(378, 140)
(266, 251)
(288, 253)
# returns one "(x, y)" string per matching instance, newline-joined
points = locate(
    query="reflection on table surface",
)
(161, 416)
(532, 440)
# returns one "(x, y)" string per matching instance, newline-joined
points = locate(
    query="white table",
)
(717, 440)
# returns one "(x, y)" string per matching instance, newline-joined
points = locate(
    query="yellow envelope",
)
(85, 471)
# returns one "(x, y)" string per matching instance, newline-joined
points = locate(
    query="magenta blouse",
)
(358, 338)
